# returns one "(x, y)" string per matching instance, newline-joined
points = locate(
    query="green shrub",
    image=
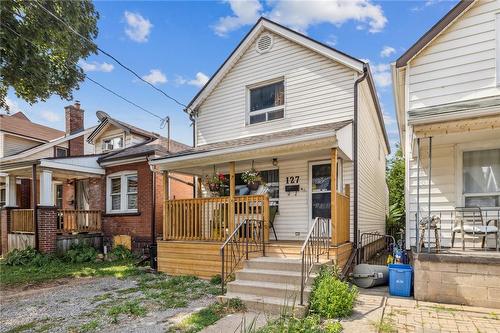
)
(291, 324)
(120, 252)
(331, 297)
(79, 253)
(216, 279)
(28, 256)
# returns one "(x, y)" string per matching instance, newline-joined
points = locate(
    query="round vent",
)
(264, 43)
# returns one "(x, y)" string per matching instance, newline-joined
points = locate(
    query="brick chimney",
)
(74, 124)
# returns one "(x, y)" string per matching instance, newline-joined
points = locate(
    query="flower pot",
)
(214, 187)
(253, 186)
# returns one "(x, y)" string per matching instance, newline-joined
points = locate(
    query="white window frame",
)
(66, 150)
(111, 138)
(265, 111)
(459, 180)
(123, 176)
(3, 202)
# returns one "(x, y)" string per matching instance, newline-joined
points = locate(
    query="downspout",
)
(355, 152)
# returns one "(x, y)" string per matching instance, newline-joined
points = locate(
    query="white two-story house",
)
(304, 116)
(447, 97)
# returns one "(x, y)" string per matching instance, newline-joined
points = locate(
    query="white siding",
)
(317, 90)
(372, 199)
(129, 139)
(460, 64)
(1, 144)
(14, 144)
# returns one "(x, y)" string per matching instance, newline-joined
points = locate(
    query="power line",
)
(90, 79)
(109, 55)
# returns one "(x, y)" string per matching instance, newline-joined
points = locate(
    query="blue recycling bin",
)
(400, 280)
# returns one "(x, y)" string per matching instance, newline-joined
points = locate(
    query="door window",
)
(321, 190)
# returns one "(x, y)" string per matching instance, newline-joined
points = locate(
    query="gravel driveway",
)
(147, 303)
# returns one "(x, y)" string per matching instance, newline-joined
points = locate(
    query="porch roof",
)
(270, 143)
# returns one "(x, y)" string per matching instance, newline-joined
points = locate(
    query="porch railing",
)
(213, 219)
(317, 243)
(22, 220)
(77, 221)
(445, 229)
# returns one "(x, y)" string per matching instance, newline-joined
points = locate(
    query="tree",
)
(395, 177)
(38, 53)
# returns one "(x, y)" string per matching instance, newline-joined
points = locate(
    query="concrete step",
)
(270, 305)
(271, 275)
(269, 289)
(274, 263)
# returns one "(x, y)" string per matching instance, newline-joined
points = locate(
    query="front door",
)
(319, 190)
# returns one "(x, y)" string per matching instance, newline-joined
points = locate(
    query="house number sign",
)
(292, 184)
(292, 179)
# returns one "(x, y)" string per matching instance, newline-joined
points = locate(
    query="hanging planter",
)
(215, 182)
(252, 178)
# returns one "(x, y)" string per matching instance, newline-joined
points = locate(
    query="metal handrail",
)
(317, 243)
(238, 247)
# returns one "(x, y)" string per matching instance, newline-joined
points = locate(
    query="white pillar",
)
(46, 195)
(10, 191)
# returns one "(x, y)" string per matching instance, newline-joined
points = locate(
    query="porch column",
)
(166, 197)
(11, 191)
(333, 195)
(46, 195)
(232, 167)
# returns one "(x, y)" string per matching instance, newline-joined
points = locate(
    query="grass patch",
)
(197, 321)
(385, 326)
(91, 326)
(23, 328)
(441, 308)
(493, 315)
(102, 297)
(291, 324)
(132, 308)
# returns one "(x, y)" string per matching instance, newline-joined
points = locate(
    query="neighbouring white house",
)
(304, 115)
(447, 97)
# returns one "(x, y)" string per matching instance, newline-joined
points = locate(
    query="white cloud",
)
(199, 80)
(387, 51)
(381, 74)
(244, 13)
(50, 116)
(13, 106)
(332, 40)
(300, 15)
(155, 76)
(388, 119)
(95, 66)
(138, 28)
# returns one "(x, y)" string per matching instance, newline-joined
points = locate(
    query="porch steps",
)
(270, 285)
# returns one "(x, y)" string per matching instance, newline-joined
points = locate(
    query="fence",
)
(76, 221)
(22, 221)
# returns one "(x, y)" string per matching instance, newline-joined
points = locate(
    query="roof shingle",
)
(19, 124)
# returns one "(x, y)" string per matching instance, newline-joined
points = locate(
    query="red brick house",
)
(102, 185)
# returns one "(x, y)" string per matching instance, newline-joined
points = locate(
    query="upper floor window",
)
(481, 182)
(61, 152)
(112, 143)
(267, 102)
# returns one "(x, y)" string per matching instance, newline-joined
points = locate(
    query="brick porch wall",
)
(466, 279)
(4, 228)
(47, 229)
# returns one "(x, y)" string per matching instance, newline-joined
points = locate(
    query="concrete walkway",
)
(377, 311)
(236, 322)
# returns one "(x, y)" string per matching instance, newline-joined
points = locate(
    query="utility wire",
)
(90, 79)
(109, 55)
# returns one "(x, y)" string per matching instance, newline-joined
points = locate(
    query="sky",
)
(177, 46)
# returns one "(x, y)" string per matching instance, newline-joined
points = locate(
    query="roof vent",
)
(264, 43)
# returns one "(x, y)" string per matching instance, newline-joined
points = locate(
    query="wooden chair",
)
(432, 223)
(469, 220)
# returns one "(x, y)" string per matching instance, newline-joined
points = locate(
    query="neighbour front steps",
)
(270, 285)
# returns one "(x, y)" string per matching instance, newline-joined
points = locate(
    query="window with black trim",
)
(61, 152)
(267, 103)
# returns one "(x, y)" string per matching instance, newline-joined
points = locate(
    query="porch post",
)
(34, 193)
(166, 197)
(11, 191)
(46, 196)
(232, 182)
(333, 195)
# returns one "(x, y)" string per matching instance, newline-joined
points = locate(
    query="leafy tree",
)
(395, 177)
(38, 53)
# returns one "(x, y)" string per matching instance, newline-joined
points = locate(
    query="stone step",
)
(269, 289)
(274, 263)
(271, 275)
(270, 305)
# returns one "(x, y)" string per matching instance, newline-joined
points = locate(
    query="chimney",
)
(74, 124)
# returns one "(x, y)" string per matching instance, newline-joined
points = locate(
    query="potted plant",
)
(215, 182)
(252, 178)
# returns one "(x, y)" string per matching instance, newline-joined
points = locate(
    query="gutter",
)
(355, 151)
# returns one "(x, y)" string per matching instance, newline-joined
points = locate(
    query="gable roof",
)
(106, 120)
(433, 32)
(266, 24)
(19, 124)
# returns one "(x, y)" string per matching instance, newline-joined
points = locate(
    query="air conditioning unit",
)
(107, 146)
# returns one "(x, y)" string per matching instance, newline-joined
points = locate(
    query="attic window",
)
(264, 43)
(112, 143)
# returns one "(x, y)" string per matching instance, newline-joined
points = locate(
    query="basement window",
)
(267, 102)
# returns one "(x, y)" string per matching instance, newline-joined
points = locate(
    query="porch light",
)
(275, 162)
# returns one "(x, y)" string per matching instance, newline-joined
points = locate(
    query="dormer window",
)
(267, 102)
(112, 143)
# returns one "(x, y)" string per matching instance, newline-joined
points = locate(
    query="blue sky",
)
(178, 45)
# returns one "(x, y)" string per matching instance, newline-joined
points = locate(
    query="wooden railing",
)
(22, 220)
(76, 221)
(212, 219)
(341, 227)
